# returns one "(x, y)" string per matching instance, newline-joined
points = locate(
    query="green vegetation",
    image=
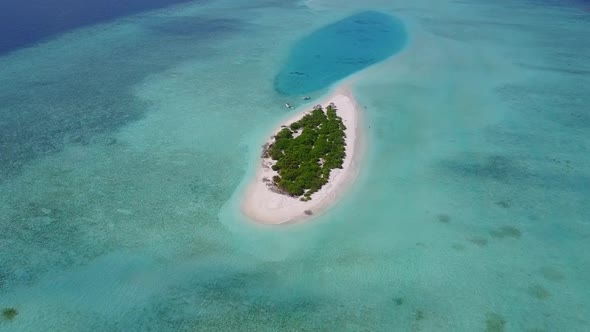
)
(9, 313)
(304, 161)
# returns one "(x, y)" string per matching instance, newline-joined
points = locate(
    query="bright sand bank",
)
(264, 205)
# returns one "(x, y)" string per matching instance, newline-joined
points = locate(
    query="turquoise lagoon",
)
(338, 50)
(125, 147)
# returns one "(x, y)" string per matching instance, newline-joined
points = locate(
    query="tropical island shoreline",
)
(265, 204)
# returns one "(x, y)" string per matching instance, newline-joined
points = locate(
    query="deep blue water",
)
(24, 22)
(338, 50)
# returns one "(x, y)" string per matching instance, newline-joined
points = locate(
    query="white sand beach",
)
(263, 205)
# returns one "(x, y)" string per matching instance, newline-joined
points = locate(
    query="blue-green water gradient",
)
(339, 49)
(124, 149)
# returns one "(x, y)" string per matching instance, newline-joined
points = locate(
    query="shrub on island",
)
(304, 162)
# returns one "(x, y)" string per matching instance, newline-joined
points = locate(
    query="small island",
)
(305, 152)
(307, 163)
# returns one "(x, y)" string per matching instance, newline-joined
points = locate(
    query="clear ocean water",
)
(124, 147)
(338, 50)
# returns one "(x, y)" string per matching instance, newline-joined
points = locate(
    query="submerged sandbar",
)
(263, 203)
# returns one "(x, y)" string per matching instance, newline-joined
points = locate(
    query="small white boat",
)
(306, 98)
(287, 105)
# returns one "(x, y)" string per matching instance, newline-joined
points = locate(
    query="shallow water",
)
(124, 149)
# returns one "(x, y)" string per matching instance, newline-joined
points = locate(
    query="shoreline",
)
(263, 205)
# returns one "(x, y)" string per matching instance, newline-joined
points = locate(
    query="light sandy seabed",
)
(266, 206)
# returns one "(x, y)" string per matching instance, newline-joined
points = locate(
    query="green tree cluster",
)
(304, 161)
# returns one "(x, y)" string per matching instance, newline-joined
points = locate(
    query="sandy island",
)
(264, 205)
